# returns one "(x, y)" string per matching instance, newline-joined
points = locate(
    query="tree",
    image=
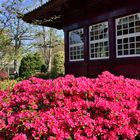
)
(47, 39)
(18, 30)
(30, 64)
(58, 63)
(6, 50)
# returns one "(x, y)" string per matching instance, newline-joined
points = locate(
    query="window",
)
(128, 35)
(76, 45)
(98, 40)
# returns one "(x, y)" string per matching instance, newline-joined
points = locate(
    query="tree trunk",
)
(50, 60)
(16, 53)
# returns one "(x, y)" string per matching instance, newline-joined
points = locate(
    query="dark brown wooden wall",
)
(129, 67)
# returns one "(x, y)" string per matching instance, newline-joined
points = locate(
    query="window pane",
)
(76, 44)
(125, 31)
(131, 18)
(119, 27)
(138, 23)
(131, 30)
(131, 24)
(138, 51)
(132, 45)
(125, 40)
(137, 45)
(125, 52)
(132, 39)
(119, 52)
(138, 29)
(99, 46)
(138, 38)
(128, 37)
(132, 51)
(119, 47)
(119, 32)
(119, 41)
(76, 36)
(125, 25)
(126, 46)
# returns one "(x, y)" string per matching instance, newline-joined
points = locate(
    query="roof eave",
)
(34, 16)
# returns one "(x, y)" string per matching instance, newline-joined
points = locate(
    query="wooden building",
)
(99, 35)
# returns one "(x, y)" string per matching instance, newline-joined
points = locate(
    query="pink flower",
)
(20, 137)
(1, 138)
(107, 107)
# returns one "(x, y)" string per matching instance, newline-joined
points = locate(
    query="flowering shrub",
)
(3, 75)
(7, 84)
(69, 108)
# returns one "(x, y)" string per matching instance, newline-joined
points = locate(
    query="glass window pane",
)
(131, 30)
(99, 45)
(119, 32)
(76, 36)
(138, 51)
(138, 38)
(92, 38)
(119, 47)
(125, 40)
(119, 52)
(132, 51)
(125, 31)
(125, 25)
(92, 55)
(125, 52)
(131, 24)
(101, 36)
(106, 43)
(119, 41)
(132, 39)
(76, 42)
(132, 45)
(137, 45)
(131, 18)
(128, 38)
(138, 23)
(138, 29)
(126, 46)
(119, 27)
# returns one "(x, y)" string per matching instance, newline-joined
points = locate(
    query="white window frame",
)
(126, 36)
(98, 41)
(75, 45)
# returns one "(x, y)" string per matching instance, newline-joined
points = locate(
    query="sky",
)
(31, 4)
(28, 3)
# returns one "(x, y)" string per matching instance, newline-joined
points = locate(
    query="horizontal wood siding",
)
(77, 68)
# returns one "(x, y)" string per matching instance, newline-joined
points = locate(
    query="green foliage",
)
(30, 65)
(18, 31)
(6, 50)
(4, 40)
(45, 76)
(7, 84)
(58, 64)
(48, 42)
(43, 68)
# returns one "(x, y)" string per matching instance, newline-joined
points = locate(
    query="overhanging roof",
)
(59, 13)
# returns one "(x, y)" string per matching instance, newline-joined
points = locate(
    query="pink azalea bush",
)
(69, 108)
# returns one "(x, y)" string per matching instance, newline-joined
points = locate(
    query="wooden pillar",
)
(66, 49)
(112, 43)
(86, 48)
